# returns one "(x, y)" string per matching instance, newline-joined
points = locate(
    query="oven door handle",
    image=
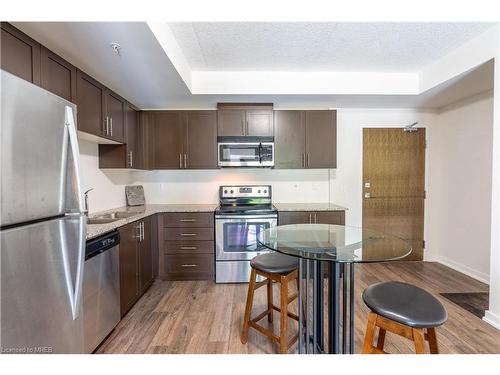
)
(246, 217)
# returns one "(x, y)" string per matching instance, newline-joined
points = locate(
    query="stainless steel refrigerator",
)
(42, 222)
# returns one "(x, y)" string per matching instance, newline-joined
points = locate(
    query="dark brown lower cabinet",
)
(187, 246)
(136, 261)
(311, 217)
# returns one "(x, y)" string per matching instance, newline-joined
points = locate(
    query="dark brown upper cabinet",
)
(305, 139)
(289, 139)
(235, 119)
(57, 75)
(20, 55)
(169, 129)
(101, 112)
(128, 155)
(321, 139)
(201, 140)
(184, 139)
(90, 102)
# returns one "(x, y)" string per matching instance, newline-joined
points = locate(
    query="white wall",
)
(459, 199)
(108, 185)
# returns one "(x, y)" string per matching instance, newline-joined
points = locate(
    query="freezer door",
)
(38, 175)
(41, 286)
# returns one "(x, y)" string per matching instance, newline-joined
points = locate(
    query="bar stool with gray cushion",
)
(274, 267)
(403, 309)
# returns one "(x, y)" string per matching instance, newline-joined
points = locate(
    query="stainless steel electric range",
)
(244, 212)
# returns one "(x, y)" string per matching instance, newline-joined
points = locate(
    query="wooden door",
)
(57, 75)
(115, 110)
(294, 217)
(132, 137)
(169, 138)
(129, 266)
(90, 103)
(321, 139)
(20, 55)
(289, 139)
(201, 140)
(146, 274)
(330, 217)
(230, 122)
(259, 123)
(394, 184)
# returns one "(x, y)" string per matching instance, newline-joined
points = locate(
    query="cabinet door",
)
(132, 137)
(90, 102)
(321, 139)
(169, 137)
(20, 55)
(201, 142)
(289, 139)
(146, 275)
(259, 123)
(115, 110)
(330, 217)
(58, 75)
(294, 217)
(230, 122)
(129, 266)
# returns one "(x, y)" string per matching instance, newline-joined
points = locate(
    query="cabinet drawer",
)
(189, 234)
(188, 220)
(188, 247)
(189, 267)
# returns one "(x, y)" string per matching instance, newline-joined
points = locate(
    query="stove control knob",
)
(258, 191)
(265, 191)
(232, 191)
(225, 191)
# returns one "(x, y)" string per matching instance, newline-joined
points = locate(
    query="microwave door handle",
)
(260, 153)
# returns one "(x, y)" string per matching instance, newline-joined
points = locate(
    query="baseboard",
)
(492, 319)
(480, 276)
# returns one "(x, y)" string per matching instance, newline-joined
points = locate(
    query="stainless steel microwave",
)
(245, 151)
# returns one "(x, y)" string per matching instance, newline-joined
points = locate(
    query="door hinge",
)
(423, 244)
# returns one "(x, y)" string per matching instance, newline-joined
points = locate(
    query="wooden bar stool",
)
(405, 310)
(279, 268)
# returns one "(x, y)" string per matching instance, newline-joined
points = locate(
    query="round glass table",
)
(332, 250)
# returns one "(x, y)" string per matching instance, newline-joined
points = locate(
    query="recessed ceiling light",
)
(116, 47)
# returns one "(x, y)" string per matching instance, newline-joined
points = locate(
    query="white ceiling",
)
(360, 47)
(145, 76)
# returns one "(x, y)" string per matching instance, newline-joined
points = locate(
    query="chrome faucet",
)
(86, 196)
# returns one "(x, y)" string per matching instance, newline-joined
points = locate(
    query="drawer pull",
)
(188, 247)
(189, 265)
(187, 220)
(188, 234)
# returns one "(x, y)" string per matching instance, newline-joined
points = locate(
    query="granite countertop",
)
(308, 207)
(94, 230)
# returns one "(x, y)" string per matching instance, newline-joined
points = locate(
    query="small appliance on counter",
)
(135, 195)
(245, 151)
(244, 212)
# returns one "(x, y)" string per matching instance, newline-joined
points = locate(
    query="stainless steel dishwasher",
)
(101, 289)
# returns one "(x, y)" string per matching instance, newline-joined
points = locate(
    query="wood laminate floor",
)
(204, 317)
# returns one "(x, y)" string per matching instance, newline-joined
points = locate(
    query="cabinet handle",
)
(246, 128)
(188, 234)
(180, 161)
(185, 160)
(307, 160)
(188, 247)
(111, 125)
(189, 265)
(105, 125)
(142, 224)
(139, 235)
(315, 219)
(130, 157)
(187, 220)
(310, 218)
(303, 160)
(243, 126)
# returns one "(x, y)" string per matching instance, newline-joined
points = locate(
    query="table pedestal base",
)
(339, 341)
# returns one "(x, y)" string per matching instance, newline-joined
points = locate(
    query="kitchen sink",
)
(110, 217)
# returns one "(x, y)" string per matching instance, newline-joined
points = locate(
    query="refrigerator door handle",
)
(82, 231)
(73, 140)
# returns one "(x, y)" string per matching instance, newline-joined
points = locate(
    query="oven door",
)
(236, 237)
